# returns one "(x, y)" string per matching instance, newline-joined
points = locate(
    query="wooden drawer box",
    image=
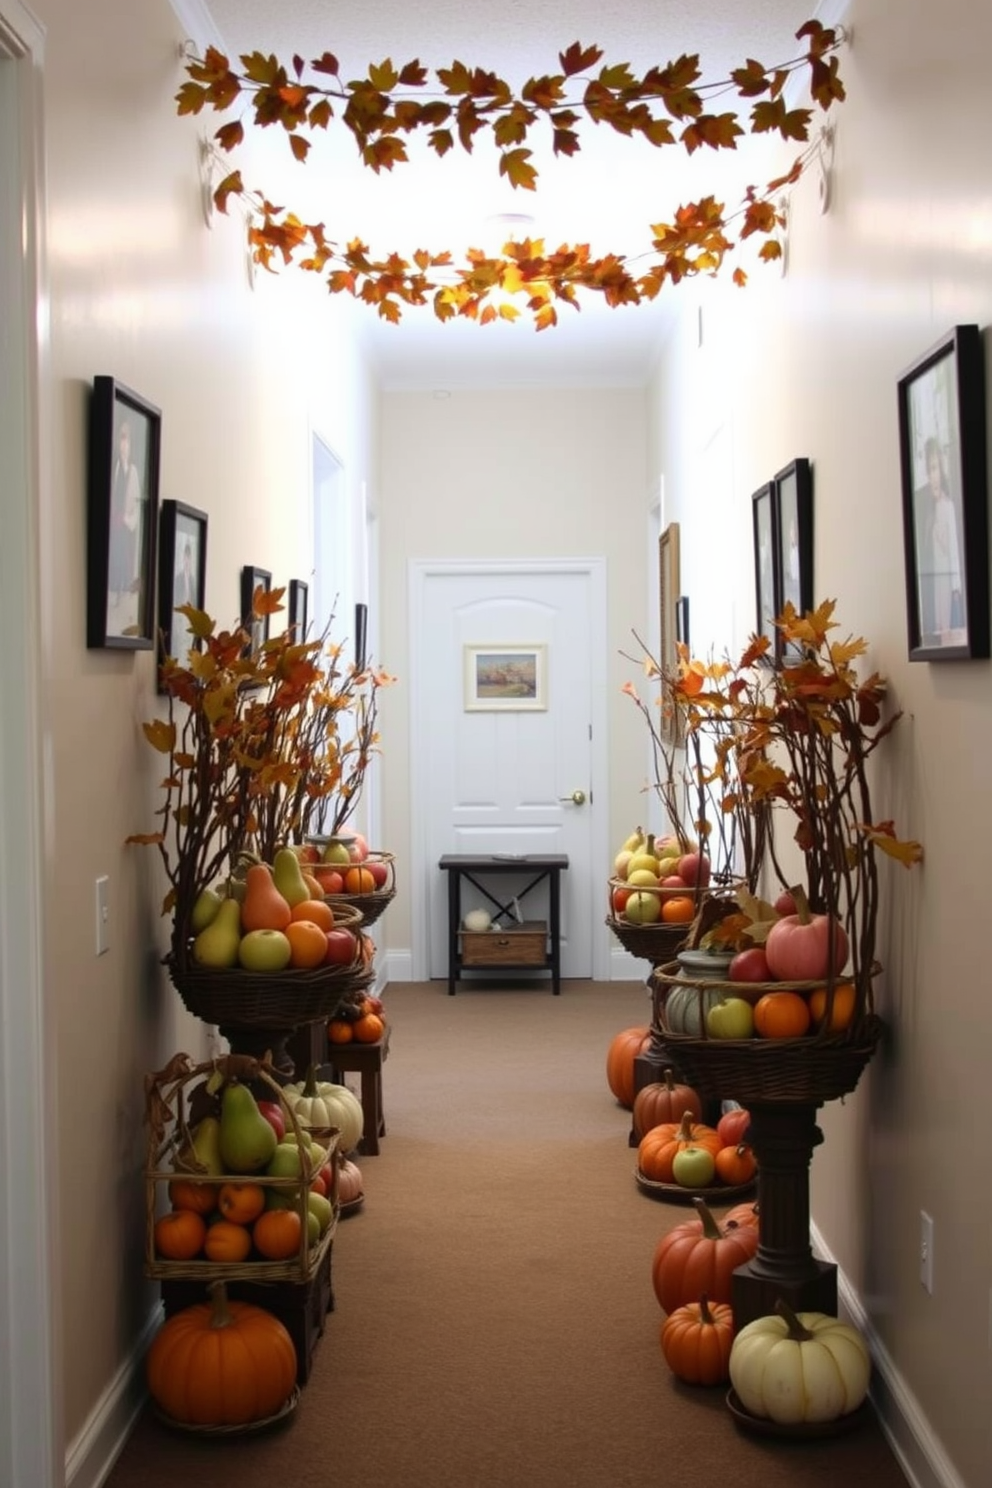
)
(522, 945)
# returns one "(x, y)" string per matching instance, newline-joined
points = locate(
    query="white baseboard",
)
(910, 1435)
(91, 1455)
(397, 967)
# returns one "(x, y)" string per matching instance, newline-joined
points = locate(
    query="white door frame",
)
(31, 1430)
(420, 571)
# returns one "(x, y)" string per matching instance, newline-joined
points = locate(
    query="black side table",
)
(537, 867)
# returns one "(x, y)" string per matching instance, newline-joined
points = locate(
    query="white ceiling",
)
(607, 195)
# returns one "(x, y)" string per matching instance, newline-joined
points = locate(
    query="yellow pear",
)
(287, 875)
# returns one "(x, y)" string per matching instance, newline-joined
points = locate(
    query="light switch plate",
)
(102, 915)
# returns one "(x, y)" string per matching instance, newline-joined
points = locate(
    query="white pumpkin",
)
(320, 1103)
(793, 1367)
(477, 919)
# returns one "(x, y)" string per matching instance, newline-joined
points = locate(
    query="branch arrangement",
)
(668, 105)
(275, 736)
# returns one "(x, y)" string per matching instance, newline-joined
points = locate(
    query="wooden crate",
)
(521, 945)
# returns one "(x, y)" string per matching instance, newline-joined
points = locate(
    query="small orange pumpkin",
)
(349, 1181)
(200, 1197)
(620, 1056)
(227, 1242)
(179, 1236)
(663, 1100)
(241, 1203)
(743, 1214)
(339, 1031)
(367, 1029)
(277, 1234)
(696, 1340)
(735, 1165)
(221, 1363)
(657, 1149)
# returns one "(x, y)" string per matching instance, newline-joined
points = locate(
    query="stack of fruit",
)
(787, 984)
(686, 1157)
(351, 872)
(657, 880)
(274, 918)
(246, 1183)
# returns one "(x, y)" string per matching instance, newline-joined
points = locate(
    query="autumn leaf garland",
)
(666, 106)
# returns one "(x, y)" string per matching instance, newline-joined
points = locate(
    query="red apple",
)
(749, 966)
(330, 880)
(619, 899)
(273, 1113)
(342, 948)
(308, 853)
(674, 881)
(358, 848)
(732, 1127)
(695, 869)
(785, 904)
(379, 872)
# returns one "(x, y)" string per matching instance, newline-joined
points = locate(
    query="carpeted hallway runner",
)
(494, 1319)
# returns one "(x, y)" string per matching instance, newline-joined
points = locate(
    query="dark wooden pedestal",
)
(301, 1307)
(783, 1136)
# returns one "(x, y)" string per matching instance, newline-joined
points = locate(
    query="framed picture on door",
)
(506, 679)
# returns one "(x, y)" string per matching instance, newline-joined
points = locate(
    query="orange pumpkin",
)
(241, 1203)
(735, 1165)
(179, 1236)
(221, 1363)
(349, 1181)
(620, 1056)
(657, 1149)
(696, 1341)
(699, 1257)
(661, 1101)
(339, 1031)
(742, 1214)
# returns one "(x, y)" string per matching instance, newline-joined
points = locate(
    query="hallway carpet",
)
(495, 1323)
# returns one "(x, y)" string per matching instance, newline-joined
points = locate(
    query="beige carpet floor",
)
(495, 1323)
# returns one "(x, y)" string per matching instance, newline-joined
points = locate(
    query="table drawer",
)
(523, 945)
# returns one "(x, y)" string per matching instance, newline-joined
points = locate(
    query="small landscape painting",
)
(505, 678)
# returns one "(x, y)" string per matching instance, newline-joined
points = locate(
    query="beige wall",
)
(807, 365)
(141, 290)
(513, 475)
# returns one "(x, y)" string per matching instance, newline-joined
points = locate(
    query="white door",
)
(510, 779)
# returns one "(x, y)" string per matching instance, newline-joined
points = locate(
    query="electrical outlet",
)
(102, 915)
(926, 1251)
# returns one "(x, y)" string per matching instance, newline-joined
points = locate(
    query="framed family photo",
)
(182, 575)
(506, 679)
(794, 539)
(766, 576)
(943, 468)
(299, 594)
(125, 433)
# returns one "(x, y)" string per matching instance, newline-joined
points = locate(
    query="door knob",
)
(577, 798)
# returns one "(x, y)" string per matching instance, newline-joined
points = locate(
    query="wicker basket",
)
(814, 1068)
(374, 904)
(654, 943)
(234, 998)
(167, 1119)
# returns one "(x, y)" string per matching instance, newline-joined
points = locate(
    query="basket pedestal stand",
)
(783, 1136)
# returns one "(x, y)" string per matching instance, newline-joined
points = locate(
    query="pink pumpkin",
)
(798, 949)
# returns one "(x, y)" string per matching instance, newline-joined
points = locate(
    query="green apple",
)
(642, 908)
(730, 1018)
(693, 1167)
(264, 950)
(322, 1208)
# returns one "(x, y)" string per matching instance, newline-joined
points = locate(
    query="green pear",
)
(247, 1140)
(217, 945)
(336, 852)
(322, 1208)
(202, 1152)
(287, 875)
(204, 910)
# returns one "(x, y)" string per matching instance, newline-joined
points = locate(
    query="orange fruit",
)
(316, 911)
(227, 1242)
(339, 1032)
(313, 884)
(308, 942)
(843, 1008)
(180, 1235)
(678, 911)
(358, 881)
(276, 1234)
(241, 1203)
(781, 1015)
(367, 1029)
(185, 1194)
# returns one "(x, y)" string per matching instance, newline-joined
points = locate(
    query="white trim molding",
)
(90, 1457)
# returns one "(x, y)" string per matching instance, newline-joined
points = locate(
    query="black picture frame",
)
(257, 626)
(361, 635)
(682, 619)
(766, 577)
(794, 542)
(299, 595)
(944, 480)
(123, 461)
(182, 576)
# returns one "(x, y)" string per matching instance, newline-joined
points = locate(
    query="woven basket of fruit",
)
(374, 879)
(224, 1139)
